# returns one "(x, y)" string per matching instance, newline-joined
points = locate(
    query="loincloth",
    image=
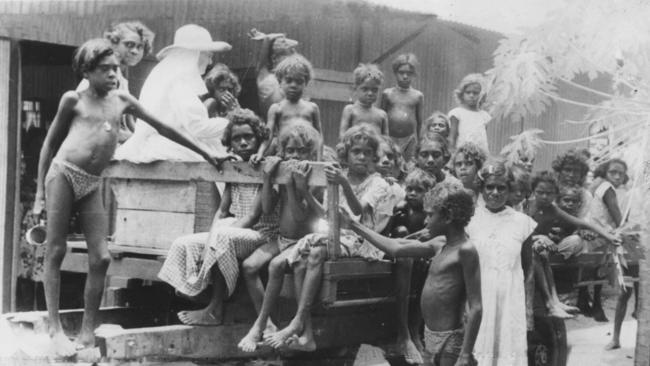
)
(439, 343)
(81, 182)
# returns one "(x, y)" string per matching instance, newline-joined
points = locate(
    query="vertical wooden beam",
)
(334, 233)
(642, 350)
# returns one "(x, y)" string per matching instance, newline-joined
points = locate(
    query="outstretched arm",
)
(575, 221)
(472, 276)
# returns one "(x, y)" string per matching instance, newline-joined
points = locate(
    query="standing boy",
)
(454, 276)
(404, 106)
(367, 80)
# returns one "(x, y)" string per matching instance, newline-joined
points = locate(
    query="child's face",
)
(243, 141)
(293, 86)
(544, 194)
(471, 94)
(465, 169)
(415, 195)
(104, 76)
(386, 163)
(569, 203)
(616, 174)
(360, 157)
(367, 92)
(130, 48)
(495, 192)
(224, 87)
(431, 157)
(517, 194)
(439, 126)
(296, 150)
(435, 221)
(570, 174)
(404, 76)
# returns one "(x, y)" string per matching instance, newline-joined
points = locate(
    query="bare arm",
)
(271, 121)
(612, 206)
(224, 205)
(575, 221)
(268, 172)
(385, 101)
(472, 276)
(529, 278)
(346, 116)
(317, 125)
(384, 123)
(253, 215)
(453, 132)
(55, 136)
(418, 115)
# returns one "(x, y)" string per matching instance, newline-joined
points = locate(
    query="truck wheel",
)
(547, 343)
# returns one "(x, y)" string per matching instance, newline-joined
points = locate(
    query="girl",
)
(468, 121)
(390, 167)
(431, 155)
(467, 160)
(223, 89)
(571, 169)
(518, 198)
(85, 132)
(605, 209)
(437, 123)
(502, 238)
(367, 80)
(190, 264)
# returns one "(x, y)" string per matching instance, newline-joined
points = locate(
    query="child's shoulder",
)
(71, 97)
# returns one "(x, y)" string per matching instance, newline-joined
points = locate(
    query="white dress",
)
(498, 238)
(471, 127)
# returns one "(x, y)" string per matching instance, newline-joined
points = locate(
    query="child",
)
(549, 217)
(437, 123)
(431, 155)
(571, 169)
(131, 41)
(275, 48)
(239, 228)
(409, 216)
(454, 278)
(518, 198)
(298, 142)
(294, 73)
(605, 209)
(468, 120)
(223, 89)
(466, 162)
(85, 131)
(367, 80)
(403, 104)
(363, 193)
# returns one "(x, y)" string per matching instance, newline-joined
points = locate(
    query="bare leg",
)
(251, 268)
(548, 272)
(297, 326)
(599, 314)
(94, 223)
(212, 314)
(405, 345)
(621, 308)
(59, 207)
(277, 268)
(542, 282)
(583, 301)
(636, 300)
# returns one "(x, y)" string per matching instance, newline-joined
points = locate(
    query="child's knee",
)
(317, 255)
(277, 266)
(250, 267)
(99, 262)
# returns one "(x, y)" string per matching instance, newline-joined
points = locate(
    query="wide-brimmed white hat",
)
(194, 37)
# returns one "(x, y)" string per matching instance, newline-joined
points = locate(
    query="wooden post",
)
(334, 233)
(642, 350)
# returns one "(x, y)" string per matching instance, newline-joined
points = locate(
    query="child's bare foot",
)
(251, 340)
(270, 328)
(568, 308)
(612, 345)
(557, 312)
(303, 343)
(61, 346)
(410, 352)
(205, 316)
(87, 340)
(279, 338)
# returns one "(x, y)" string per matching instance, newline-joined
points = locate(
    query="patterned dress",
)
(498, 238)
(186, 269)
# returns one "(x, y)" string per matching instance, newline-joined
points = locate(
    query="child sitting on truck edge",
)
(454, 278)
(299, 143)
(85, 130)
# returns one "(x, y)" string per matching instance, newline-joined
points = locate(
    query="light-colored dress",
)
(498, 238)
(471, 126)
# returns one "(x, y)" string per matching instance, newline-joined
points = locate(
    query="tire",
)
(547, 343)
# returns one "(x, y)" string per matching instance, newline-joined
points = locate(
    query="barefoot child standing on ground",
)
(454, 278)
(403, 104)
(294, 73)
(468, 121)
(85, 132)
(367, 81)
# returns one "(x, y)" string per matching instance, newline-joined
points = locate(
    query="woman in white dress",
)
(502, 237)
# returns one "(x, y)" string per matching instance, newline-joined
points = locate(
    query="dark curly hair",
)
(118, 30)
(405, 59)
(544, 176)
(358, 133)
(472, 152)
(398, 159)
(219, 73)
(419, 178)
(366, 72)
(454, 202)
(88, 55)
(496, 167)
(435, 137)
(303, 131)
(601, 170)
(295, 65)
(574, 157)
(240, 117)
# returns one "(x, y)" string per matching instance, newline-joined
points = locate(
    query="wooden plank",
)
(334, 233)
(121, 249)
(145, 269)
(328, 90)
(151, 229)
(333, 76)
(357, 268)
(171, 196)
(235, 172)
(361, 302)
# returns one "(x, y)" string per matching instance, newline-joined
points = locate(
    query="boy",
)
(293, 73)
(409, 216)
(454, 276)
(367, 80)
(403, 104)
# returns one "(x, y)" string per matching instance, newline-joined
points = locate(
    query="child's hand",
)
(217, 160)
(345, 220)
(256, 159)
(390, 180)
(334, 174)
(271, 164)
(39, 204)
(300, 175)
(229, 101)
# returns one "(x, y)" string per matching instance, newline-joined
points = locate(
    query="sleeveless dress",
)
(498, 238)
(471, 127)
